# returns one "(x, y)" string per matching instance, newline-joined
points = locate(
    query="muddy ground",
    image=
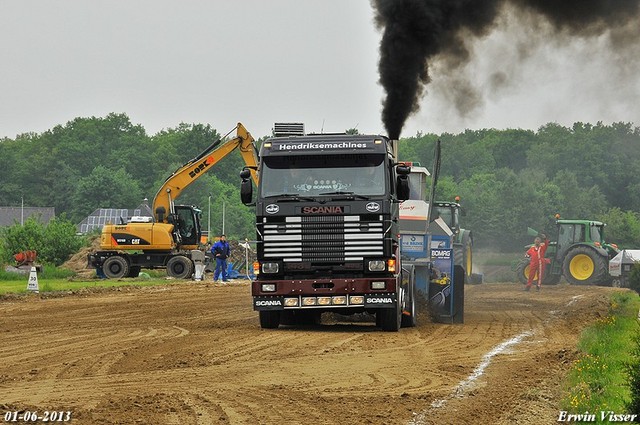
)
(193, 353)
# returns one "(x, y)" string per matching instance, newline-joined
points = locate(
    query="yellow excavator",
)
(167, 239)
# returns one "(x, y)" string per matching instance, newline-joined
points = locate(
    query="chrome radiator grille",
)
(323, 239)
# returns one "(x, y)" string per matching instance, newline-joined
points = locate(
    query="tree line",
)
(108, 162)
(508, 180)
(512, 179)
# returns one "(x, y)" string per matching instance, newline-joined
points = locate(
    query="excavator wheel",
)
(179, 267)
(134, 271)
(115, 267)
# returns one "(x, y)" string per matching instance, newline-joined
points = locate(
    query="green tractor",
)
(579, 253)
(451, 212)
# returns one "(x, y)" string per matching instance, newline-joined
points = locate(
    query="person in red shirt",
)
(537, 261)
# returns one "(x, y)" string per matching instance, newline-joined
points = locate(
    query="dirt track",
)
(192, 353)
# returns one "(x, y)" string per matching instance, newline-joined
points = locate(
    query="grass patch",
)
(53, 285)
(599, 380)
(48, 272)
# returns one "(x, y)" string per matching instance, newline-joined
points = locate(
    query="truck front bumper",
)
(324, 293)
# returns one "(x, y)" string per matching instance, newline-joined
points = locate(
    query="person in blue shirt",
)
(221, 251)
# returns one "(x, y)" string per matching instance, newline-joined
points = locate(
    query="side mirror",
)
(246, 188)
(402, 187)
(403, 170)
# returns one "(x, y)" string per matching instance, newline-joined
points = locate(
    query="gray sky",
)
(258, 62)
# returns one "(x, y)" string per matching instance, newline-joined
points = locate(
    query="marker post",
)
(32, 284)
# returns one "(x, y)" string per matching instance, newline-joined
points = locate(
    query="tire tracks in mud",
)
(194, 353)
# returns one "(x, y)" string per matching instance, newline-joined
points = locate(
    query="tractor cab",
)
(450, 212)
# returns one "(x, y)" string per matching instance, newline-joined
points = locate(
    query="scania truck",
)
(327, 211)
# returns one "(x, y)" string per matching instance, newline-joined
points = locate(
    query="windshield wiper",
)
(291, 197)
(347, 194)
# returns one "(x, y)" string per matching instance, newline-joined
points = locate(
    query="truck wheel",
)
(115, 267)
(269, 319)
(522, 271)
(409, 310)
(584, 266)
(390, 318)
(179, 267)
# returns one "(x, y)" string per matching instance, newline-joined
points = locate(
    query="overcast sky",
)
(258, 62)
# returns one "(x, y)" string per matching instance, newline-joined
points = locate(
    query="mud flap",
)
(458, 294)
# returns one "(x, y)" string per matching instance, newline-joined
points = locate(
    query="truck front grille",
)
(323, 239)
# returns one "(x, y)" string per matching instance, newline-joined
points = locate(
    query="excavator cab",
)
(187, 224)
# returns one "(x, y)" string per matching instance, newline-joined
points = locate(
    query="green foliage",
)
(598, 380)
(634, 278)
(104, 188)
(623, 227)
(633, 368)
(513, 179)
(54, 242)
(49, 271)
(508, 179)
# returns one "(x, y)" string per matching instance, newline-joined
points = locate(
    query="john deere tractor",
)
(579, 253)
(451, 212)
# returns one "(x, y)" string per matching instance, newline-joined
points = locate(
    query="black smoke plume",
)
(417, 33)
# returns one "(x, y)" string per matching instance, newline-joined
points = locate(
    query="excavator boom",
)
(198, 166)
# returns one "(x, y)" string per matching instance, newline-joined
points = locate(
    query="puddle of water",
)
(464, 385)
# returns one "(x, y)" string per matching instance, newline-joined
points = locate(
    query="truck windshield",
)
(312, 175)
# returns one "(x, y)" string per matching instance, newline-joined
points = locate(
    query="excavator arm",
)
(163, 203)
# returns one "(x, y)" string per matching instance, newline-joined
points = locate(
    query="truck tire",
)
(179, 267)
(390, 319)
(115, 267)
(409, 309)
(584, 266)
(269, 319)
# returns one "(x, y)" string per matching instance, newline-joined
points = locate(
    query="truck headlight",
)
(324, 300)
(290, 302)
(376, 266)
(339, 300)
(356, 299)
(268, 287)
(270, 268)
(309, 301)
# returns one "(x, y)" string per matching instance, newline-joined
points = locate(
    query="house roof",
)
(12, 215)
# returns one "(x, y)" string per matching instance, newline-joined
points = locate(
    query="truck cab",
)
(327, 228)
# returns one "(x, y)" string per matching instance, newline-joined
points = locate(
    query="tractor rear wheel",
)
(584, 266)
(522, 271)
(115, 267)
(463, 255)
